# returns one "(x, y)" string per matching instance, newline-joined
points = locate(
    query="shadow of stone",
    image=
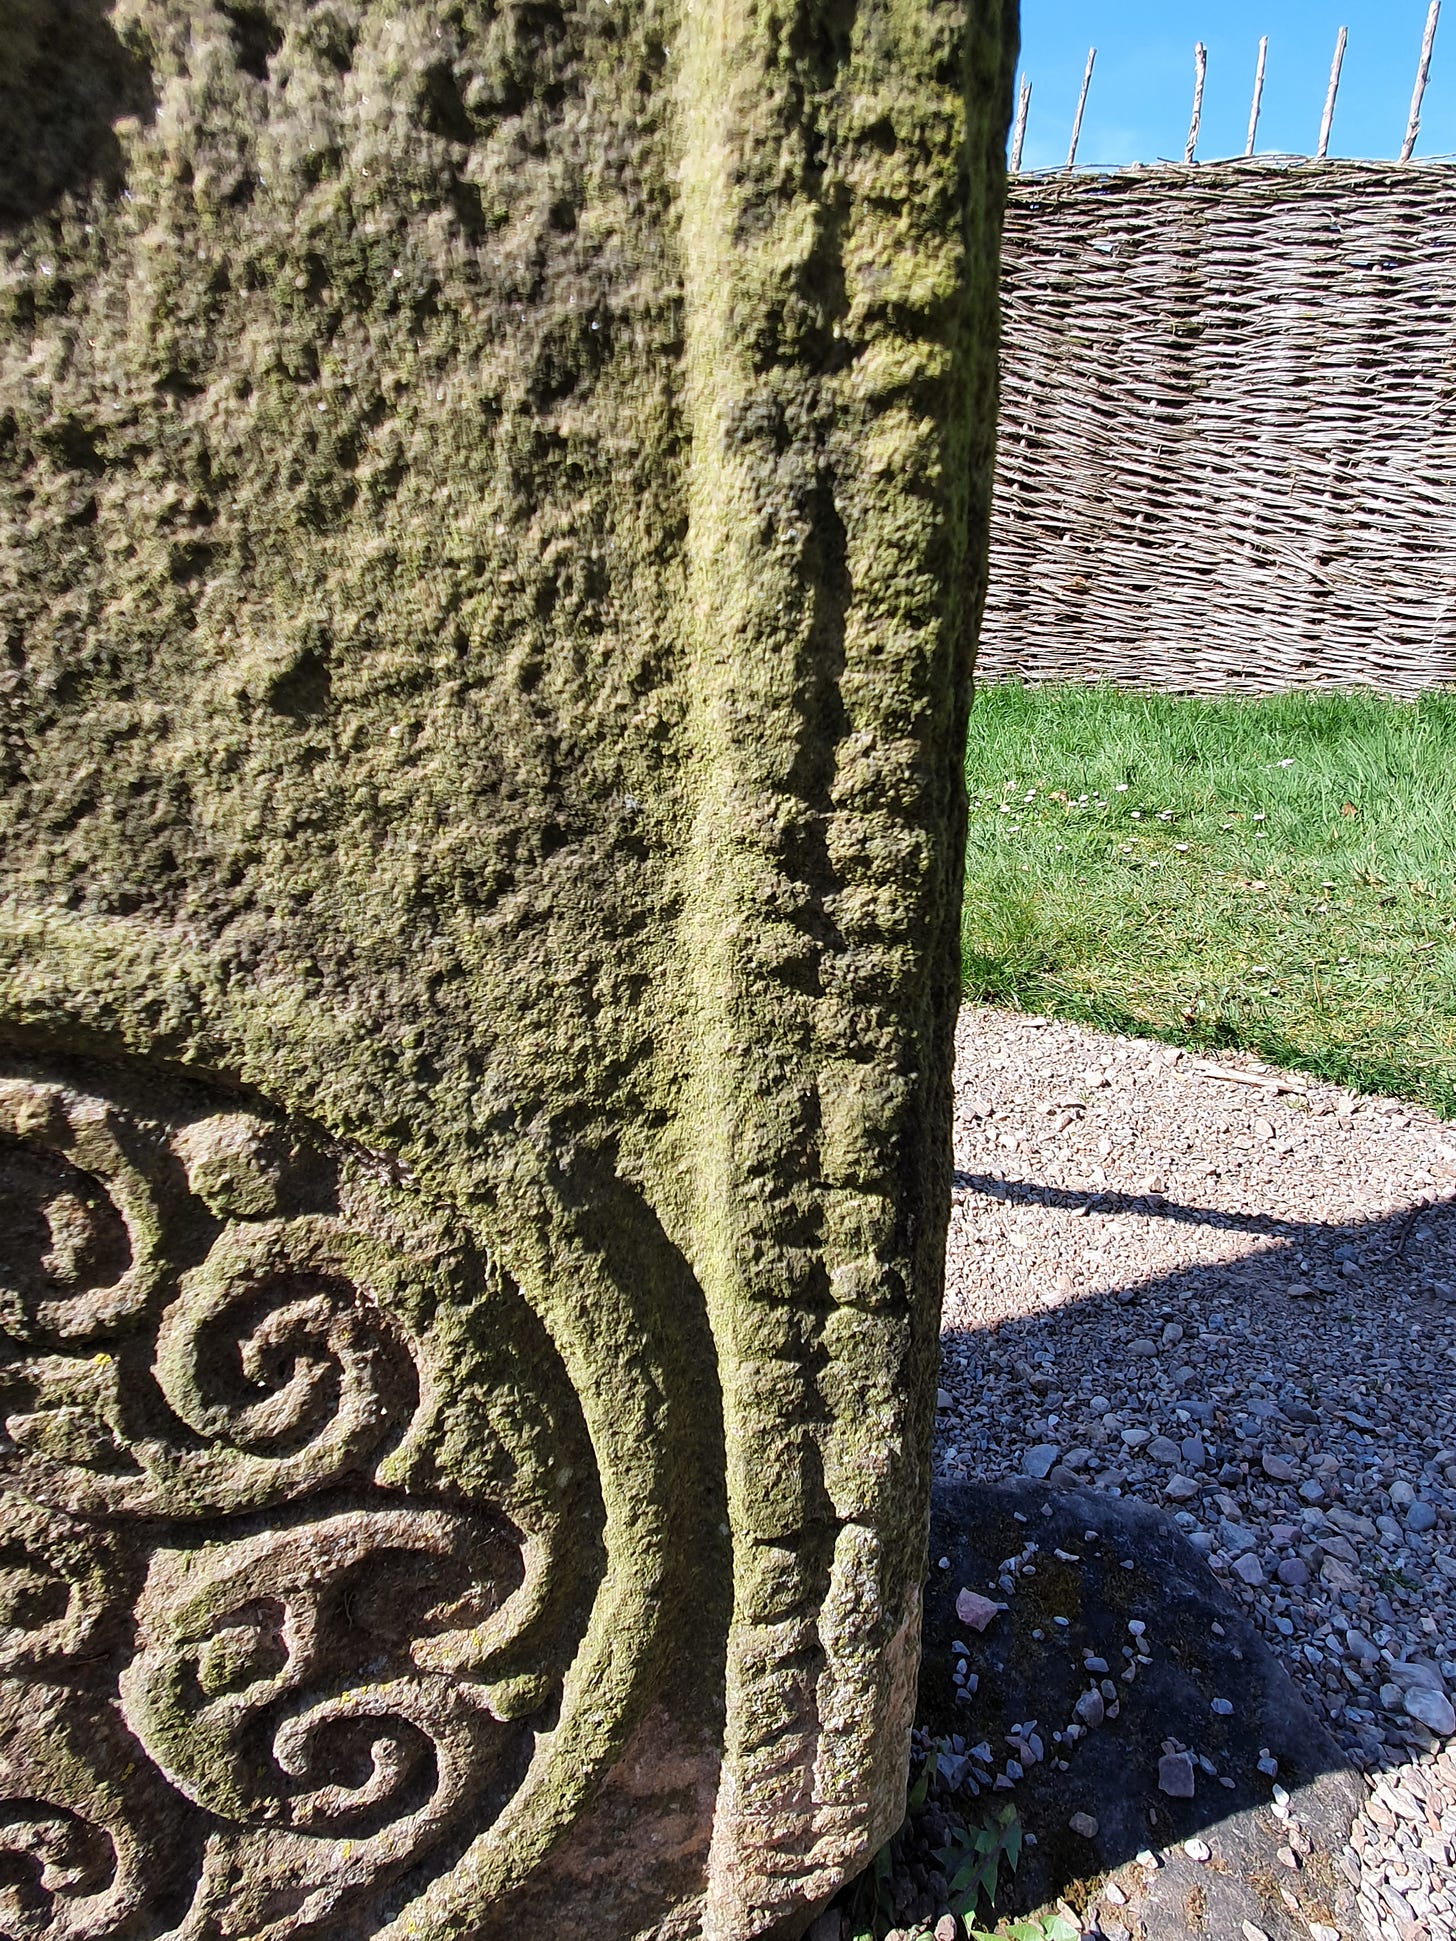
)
(66, 78)
(1194, 1698)
(1336, 1281)
(1364, 1275)
(1305, 1233)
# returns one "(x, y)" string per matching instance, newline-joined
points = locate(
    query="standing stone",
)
(492, 504)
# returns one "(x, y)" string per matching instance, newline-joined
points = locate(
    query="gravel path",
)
(1239, 1302)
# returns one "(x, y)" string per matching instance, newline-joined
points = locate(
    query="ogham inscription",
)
(492, 527)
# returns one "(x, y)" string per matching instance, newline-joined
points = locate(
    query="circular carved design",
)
(299, 1507)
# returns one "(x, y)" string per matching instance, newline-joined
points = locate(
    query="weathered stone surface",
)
(491, 528)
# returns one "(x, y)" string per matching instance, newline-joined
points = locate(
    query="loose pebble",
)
(1433, 1709)
(974, 1610)
(1090, 1710)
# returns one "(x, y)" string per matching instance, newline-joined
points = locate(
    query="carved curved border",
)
(602, 1688)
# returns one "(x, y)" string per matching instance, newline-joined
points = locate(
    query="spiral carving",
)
(224, 1538)
(278, 1686)
(276, 1371)
(283, 1684)
(80, 1261)
(63, 1876)
(84, 1854)
(279, 1355)
(54, 1593)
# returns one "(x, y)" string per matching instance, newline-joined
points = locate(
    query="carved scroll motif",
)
(86, 1849)
(80, 1258)
(231, 1560)
(272, 1372)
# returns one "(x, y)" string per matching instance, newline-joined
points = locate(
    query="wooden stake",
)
(1328, 118)
(1023, 108)
(1423, 74)
(1200, 75)
(1259, 92)
(1265, 1081)
(1081, 105)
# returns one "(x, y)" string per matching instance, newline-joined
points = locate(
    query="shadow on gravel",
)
(1318, 1284)
(1075, 1569)
(1307, 1236)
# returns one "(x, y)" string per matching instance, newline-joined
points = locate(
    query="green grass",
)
(1273, 874)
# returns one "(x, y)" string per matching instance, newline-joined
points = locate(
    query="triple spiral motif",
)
(267, 1643)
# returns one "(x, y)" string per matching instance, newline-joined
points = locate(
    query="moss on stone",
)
(494, 503)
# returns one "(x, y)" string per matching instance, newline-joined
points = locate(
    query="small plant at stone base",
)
(1051, 1927)
(871, 1908)
(973, 1858)
(970, 1861)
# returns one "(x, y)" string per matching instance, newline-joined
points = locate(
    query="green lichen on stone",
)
(492, 510)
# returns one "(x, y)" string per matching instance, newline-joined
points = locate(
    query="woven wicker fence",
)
(1228, 429)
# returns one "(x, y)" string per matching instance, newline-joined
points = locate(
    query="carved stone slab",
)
(492, 505)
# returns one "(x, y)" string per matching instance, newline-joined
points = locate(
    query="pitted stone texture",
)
(492, 505)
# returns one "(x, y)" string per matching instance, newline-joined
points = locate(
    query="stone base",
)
(1103, 1564)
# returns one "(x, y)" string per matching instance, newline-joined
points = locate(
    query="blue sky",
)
(1142, 87)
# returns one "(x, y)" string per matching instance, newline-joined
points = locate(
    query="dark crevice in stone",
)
(66, 77)
(257, 36)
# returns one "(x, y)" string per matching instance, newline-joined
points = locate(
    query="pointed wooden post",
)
(1200, 75)
(1327, 119)
(1258, 100)
(1081, 107)
(1423, 74)
(1018, 137)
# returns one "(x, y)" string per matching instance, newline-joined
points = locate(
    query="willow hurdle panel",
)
(1228, 445)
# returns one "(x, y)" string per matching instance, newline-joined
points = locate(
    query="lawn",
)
(1275, 874)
